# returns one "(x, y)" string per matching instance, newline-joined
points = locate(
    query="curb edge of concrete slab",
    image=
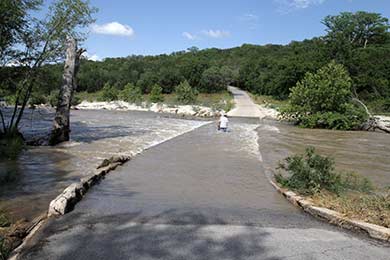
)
(66, 201)
(333, 217)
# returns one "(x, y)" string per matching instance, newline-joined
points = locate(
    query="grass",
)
(217, 101)
(372, 208)
(269, 101)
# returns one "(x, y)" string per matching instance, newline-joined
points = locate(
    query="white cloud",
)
(216, 33)
(290, 5)
(249, 18)
(301, 4)
(189, 36)
(206, 33)
(113, 28)
(93, 57)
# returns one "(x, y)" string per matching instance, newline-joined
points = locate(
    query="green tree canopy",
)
(324, 99)
(358, 29)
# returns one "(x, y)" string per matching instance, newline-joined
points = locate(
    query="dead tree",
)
(373, 123)
(61, 125)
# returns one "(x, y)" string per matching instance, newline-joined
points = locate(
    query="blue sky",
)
(126, 27)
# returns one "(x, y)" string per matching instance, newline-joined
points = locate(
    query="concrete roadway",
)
(244, 106)
(202, 195)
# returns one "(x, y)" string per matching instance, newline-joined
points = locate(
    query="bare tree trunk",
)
(372, 123)
(61, 124)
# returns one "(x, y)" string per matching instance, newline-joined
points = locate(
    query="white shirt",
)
(223, 122)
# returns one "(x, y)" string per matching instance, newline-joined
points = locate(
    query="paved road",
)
(202, 195)
(244, 106)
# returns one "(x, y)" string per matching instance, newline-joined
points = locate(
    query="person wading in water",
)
(223, 123)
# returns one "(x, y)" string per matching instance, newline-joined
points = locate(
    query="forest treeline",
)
(358, 41)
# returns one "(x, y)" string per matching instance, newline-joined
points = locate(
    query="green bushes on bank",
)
(131, 94)
(156, 95)
(185, 94)
(312, 173)
(108, 93)
(324, 100)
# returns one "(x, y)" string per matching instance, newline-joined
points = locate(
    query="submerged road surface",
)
(202, 195)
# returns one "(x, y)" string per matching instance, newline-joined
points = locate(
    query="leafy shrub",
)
(324, 100)
(351, 119)
(37, 99)
(156, 94)
(131, 94)
(310, 173)
(10, 100)
(108, 93)
(11, 146)
(75, 100)
(352, 181)
(185, 94)
(53, 98)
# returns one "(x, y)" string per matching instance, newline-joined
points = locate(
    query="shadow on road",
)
(134, 236)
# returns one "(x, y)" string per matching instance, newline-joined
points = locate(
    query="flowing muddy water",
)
(366, 153)
(41, 173)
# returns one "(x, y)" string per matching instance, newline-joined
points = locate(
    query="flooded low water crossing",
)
(41, 173)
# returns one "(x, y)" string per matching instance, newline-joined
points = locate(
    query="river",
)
(41, 173)
(365, 153)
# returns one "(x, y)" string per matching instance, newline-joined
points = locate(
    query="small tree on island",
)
(109, 93)
(324, 100)
(156, 94)
(185, 94)
(131, 94)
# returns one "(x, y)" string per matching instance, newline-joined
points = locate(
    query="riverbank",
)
(205, 105)
(184, 110)
(363, 153)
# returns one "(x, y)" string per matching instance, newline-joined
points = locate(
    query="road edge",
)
(333, 217)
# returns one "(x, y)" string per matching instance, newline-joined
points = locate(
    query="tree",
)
(156, 94)
(13, 23)
(146, 81)
(358, 29)
(324, 100)
(131, 93)
(214, 80)
(185, 93)
(109, 93)
(43, 41)
(61, 123)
